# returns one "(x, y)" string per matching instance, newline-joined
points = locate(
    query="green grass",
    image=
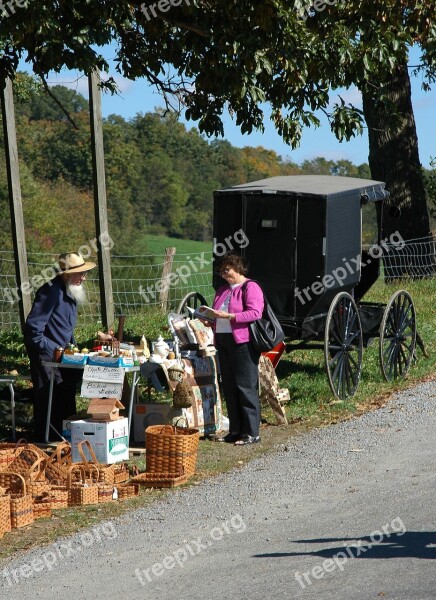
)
(156, 244)
(302, 372)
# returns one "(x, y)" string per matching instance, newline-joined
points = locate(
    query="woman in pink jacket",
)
(238, 303)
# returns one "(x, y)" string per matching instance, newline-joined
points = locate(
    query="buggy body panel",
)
(302, 238)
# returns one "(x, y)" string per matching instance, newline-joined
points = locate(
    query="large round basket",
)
(171, 449)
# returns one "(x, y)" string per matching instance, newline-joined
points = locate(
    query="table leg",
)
(11, 389)
(50, 400)
(135, 379)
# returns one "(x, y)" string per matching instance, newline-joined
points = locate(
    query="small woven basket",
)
(121, 473)
(21, 502)
(80, 492)
(58, 496)
(105, 492)
(42, 507)
(127, 490)
(5, 512)
(171, 449)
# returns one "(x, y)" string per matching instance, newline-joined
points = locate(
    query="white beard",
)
(77, 292)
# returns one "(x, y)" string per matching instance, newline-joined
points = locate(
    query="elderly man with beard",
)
(50, 325)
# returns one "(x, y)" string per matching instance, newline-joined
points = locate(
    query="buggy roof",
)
(323, 185)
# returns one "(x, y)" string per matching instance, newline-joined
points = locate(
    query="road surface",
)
(345, 512)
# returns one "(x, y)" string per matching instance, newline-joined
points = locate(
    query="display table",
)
(9, 381)
(201, 374)
(56, 365)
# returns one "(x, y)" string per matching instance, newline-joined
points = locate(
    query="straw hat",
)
(73, 262)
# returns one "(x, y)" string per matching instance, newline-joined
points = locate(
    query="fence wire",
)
(137, 281)
(413, 260)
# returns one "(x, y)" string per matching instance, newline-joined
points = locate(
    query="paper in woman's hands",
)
(203, 312)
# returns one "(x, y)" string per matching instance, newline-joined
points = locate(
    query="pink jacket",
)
(246, 305)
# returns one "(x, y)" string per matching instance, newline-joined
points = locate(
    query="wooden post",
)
(15, 203)
(166, 271)
(100, 202)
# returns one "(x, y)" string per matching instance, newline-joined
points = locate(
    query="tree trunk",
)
(394, 159)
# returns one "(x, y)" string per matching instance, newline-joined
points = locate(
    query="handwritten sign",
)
(107, 374)
(101, 389)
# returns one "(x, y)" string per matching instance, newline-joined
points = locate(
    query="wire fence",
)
(140, 282)
(137, 283)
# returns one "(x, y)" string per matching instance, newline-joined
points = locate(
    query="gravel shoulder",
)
(341, 512)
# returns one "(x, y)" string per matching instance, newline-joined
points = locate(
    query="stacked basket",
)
(171, 456)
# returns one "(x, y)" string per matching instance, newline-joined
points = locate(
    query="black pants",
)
(64, 393)
(239, 372)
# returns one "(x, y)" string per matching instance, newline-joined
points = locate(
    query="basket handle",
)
(134, 471)
(41, 464)
(21, 442)
(27, 460)
(186, 421)
(90, 450)
(20, 479)
(62, 454)
(171, 428)
(70, 472)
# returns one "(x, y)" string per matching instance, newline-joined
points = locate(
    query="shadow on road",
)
(414, 544)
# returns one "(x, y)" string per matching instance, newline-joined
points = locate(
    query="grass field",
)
(156, 244)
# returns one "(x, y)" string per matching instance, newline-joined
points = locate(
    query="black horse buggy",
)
(314, 243)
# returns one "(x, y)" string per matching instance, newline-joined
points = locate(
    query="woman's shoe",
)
(247, 439)
(230, 438)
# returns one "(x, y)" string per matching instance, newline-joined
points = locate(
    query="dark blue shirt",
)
(52, 319)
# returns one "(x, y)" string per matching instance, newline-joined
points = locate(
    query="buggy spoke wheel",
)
(192, 300)
(397, 336)
(343, 346)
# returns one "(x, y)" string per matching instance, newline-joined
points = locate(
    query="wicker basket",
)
(9, 452)
(176, 373)
(127, 490)
(58, 496)
(5, 512)
(80, 492)
(105, 492)
(94, 470)
(21, 502)
(121, 473)
(35, 478)
(171, 449)
(42, 506)
(24, 462)
(58, 463)
(160, 480)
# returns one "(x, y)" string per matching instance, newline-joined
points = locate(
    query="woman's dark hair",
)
(231, 259)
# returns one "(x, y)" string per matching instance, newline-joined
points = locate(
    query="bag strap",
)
(244, 291)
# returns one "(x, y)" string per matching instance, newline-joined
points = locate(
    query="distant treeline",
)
(160, 176)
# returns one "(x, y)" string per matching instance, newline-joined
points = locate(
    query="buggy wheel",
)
(343, 346)
(192, 300)
(397, 336)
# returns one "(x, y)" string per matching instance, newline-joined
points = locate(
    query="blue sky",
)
(136, 97)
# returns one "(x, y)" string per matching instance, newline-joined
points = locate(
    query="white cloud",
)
(350, 96)
(79, 82)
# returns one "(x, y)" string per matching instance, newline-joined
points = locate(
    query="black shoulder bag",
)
(266, 332)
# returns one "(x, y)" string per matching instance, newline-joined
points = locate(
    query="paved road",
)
(339, 513)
